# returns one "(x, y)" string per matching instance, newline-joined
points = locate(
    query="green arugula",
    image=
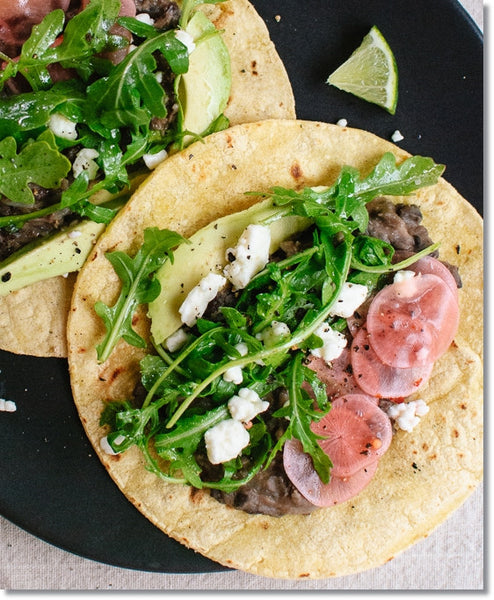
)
(186, 393)
(37, 163)
(111, 105)
(138, 287)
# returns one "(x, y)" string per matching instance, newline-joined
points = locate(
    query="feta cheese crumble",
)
(145, 18)
(153, 160)
(403, 275)
(199, 297)
(225, 441)
(234, 374)
(62, 127)
(397, 136)
(249, 256)
(351, 296)
(84, 161)
(246, 405)
(274, 333)
(407, 414)
(186, 39)
(176, 340)
(334, 343)
(7, 405)
(342, 122)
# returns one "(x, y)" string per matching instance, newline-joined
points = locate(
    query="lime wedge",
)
(370, 73)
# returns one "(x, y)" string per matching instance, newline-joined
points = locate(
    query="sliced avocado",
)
(205, 88)
(62, 253)
(206, 253)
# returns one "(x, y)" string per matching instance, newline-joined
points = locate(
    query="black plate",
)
(52, 483)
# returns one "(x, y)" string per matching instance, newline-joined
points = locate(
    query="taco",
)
(113, 146)
(416, 471)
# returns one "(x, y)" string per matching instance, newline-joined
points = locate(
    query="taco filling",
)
(298, 345)
(90, 97)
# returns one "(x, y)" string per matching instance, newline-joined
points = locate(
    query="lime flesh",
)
(370, 73)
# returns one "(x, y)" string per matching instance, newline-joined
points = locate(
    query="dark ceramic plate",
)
(51, 482)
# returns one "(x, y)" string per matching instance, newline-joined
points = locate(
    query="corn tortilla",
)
(423, 477)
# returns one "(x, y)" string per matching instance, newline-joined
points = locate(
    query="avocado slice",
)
(205, 253)
(204, 90)
(64, 252)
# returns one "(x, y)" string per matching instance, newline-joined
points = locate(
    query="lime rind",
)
(370, 73)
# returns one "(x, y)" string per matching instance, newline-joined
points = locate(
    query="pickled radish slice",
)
(357, 432)
(337, 376)
(378, 379)
(428, 265)
(300, 470)
(413, 322)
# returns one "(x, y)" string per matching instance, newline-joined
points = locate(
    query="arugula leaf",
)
(301, 413)
(37, 163)
(137, 287)
(23, 114)
(131, 94)
(388, 179)
(42, 37)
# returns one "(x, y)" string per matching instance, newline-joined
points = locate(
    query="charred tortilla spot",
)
(196, 495)
(222, 18)
(296, 171)
(114, 374)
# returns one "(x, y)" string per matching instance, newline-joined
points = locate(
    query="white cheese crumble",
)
(274, 333)
(186, 39)
(225, 441)
(7, 405)
(176, 340)
(105, 445)
(74, 234)
(199, 297)
(249, 256)
(84, 161)
(403, 275)
(153, 160)
(351, 296)
(62, 127)
(246, 404)
(342, 122)
(407, 414)
(234, 374)
(397, 136)
(145, 18)
(334, 343)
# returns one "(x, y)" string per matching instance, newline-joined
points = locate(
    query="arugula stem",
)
(173, 365)
(152, 466)
(397, 266)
